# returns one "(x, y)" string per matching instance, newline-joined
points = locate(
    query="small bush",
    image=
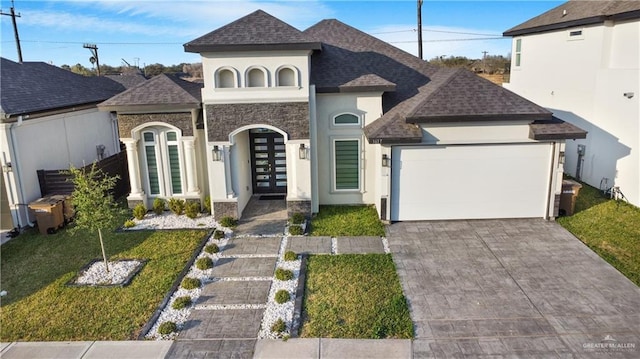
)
(279, 326)
(129, 223)
(284, 274)
(212, 248)
(218, 234)
(181, 302)
(290, 256)
(228, 222)
(190, 283)
(167, 328)
(176, 205)
(296, 230)
(158, 206)
(297, 218)
(204, 263)
(191, 209)
(207, 204)
(282, 296)
(139, 211)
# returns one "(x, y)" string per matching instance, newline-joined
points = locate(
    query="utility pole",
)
(484, 62)
(94, 59)
(15, 29)
(420, 29)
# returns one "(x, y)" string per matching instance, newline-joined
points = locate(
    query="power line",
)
(431, 30)
(450, 40)
(104, 43)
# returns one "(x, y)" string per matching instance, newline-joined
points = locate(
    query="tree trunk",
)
(104, 256)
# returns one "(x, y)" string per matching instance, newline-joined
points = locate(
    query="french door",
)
(268, 162)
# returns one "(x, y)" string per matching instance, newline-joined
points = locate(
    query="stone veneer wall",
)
(299, 206)
(291, 117)
(222, 209)
(181, 120)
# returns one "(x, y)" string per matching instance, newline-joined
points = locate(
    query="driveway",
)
(523, 288)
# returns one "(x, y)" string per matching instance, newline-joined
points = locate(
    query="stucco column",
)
(189, 159)
(134, 168)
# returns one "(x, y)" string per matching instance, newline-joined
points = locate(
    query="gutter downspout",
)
(15, 165)
(550, 187)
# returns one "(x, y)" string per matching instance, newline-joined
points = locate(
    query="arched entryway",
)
(268, 161)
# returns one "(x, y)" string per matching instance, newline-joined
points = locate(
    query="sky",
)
(143, 32)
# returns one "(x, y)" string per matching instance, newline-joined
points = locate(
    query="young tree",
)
(93, 202)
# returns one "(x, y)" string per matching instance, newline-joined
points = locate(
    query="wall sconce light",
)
(628, 94)
(561, 158)
(302, 152)
(216, 153)
(385, 161)
(6, 168)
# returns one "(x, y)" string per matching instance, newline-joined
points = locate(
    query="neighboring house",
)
(332, 115)
(49, 121)
(581, 61)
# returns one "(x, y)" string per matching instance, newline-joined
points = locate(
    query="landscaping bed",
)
(39, 307)
(347, 221)
(354, 296)
(610, 228)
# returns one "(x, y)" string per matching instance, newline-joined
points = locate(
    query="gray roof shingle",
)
(128, 80)
(577, 13)
(32, 87)
(161, 90)
(256, 31)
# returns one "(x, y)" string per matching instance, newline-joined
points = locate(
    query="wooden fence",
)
(59, 182)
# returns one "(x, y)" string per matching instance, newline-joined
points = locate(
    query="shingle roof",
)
(256, 31)
(32, 87)
(423, 92)
(129, 80)
(162, 90)
(554, 129)
(577, 13)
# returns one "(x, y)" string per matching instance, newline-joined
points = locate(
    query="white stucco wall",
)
(583, 81)
(51, 143)
(241, 169)
(476, 132)
(369, 107)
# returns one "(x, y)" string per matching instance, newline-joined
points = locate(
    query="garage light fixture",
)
(216, 153)
(385, 161)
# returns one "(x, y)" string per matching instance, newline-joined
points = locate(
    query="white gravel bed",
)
(168, 220)
(275, 311)
(97, 274)
(385, 244)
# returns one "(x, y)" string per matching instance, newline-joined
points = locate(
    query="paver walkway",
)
(515, 288)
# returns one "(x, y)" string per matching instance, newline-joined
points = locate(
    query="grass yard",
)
(610, 228)
(347, 221)
(39, 307)
(354, 296)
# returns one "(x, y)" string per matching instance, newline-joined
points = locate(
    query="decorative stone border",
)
(127, 280)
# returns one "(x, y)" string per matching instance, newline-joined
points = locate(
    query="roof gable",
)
(256, 31)
(36, 86)
(162, 90)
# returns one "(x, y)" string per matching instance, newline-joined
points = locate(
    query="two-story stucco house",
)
(331, 115)
(581, 61)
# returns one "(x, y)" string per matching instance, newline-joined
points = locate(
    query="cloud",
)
(443, 40)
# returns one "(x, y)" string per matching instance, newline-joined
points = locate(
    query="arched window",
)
(346, 119)
(256, 78)
(287, 77)
(226, 78)
(163, 161)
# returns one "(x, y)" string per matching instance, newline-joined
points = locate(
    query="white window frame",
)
(517, 52)
(333, 164)
(296, 76)
(161, 147)
(265, 75)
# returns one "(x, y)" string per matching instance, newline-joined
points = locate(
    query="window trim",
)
(357, 124)
(217, 81)
(334, 169)
(575, 34)
(296, 76)
(161, 147)
(265, 75)
(517, 53)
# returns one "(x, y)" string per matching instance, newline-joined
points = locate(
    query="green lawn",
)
(347, 221)
(354, 296)
(610, 228)
(39, 307)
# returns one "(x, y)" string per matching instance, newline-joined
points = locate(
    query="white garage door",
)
(472, 181)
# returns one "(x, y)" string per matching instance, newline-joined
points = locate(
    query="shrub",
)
(282, 296)
(212, 248)
(284, 274)
(290, 256)
(297, 218)
(228, 222)
(207, 204)
(129, 223)
(279, 326)
(296, 230)
(167, 328)
(218, 234)
(190, 283)
(176, 205)
(204, 263)
(181, 302)
(191, 209)
(139, 211)
(158, 206)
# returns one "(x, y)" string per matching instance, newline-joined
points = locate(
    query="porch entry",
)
(268, 161)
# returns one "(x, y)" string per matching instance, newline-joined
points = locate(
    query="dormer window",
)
(256, 77)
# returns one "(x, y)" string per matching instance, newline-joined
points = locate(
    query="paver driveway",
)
(523, 288)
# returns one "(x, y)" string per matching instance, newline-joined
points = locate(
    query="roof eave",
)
(475, 117)
(150, 107)
(347, 89)
(195, 48)
(394, 140)
(556, 26)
